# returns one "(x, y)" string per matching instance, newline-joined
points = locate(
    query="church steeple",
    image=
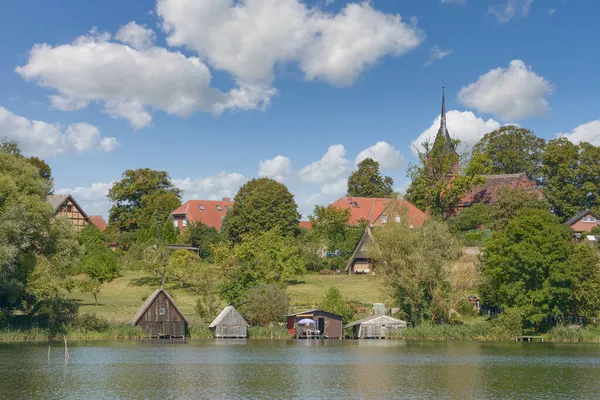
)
(443, 133)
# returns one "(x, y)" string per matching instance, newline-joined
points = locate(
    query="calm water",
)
(303, 370)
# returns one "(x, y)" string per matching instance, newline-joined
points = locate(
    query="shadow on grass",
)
(294, 282)
(145, 281)
(80, 303)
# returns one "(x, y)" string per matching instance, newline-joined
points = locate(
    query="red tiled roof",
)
(305, 224)
(211, 215)
(370, 209)
(99, 221)
(488, 192)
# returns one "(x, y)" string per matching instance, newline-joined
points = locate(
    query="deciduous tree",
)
(367, 181)
(183, 264)
(264, 304)
(335, 303)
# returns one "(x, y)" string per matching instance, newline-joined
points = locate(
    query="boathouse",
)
(375, 327)
(159, 317)
(315, 324)
(229, 324)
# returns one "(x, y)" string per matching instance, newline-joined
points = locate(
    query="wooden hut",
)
(375, 327)
(159, 317)
(229, 324)
(315, 323)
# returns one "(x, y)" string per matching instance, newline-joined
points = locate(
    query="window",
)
(219, 208)
(384, 219)
(175, 223)
(184, 222)
(397, 219)
(69, 208)
(162, 311)
(227, 208)
(201, 207)
(591, 219)
(356, 204)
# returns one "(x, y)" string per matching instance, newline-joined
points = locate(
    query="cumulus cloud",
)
(436, 54)
(511, 9)
(43, 139)
(463, 125)
(92, 199)
(588, 132)
(128, 81)
(215, 187)
(136, 36)
(514, 93)
(337, 188)
(278, 168)
(330, 168)
(333, 47)
(385, 154)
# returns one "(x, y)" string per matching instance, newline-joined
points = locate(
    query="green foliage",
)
(92, 286)
(205, 282)
(269, 257)
(510, 202)
(143, 198)
(415, 263)
(264, 304)
(203, 237)
(510, 150)
(261, 205)
(571, 177)
(183, 264)
(367, 181)
(474, 217)
(272, 331)
(335, 303)
(508, 324)
(533, 266)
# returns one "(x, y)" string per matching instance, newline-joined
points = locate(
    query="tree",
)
(91, 286)
(142, 198)
(264, 304)
(415, 264)
(155, 259)
(182, 264)
(533, 266)
(334, 302)
(571, 177)
(510, 202)
(267, 257)
(367, 181)
(203, 237)
(206, 281)
(261, 205)
(436, 185)
(474, 217)
(511, 150)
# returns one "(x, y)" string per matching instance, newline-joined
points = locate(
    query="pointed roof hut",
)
(375, 326)
(160, 317)
(229, 324)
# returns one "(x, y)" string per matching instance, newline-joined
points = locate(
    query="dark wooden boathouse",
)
(324, 325)
(229, 324)
(159, 317)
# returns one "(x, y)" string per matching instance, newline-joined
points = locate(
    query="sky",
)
(217, 92)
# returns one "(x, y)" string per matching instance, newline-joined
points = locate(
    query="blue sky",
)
(290, 89)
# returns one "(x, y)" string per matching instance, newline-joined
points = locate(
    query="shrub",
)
(508, 324)
(335, 303)
(264, 304)
(90, 322)
(327, 272)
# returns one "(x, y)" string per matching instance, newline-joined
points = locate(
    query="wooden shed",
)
(159, 317)
(315, 324)
(375, 327)
(229, 324)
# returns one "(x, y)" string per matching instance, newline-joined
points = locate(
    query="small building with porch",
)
(375, 327)
(229, 324)
(315, 324)
(159, 317)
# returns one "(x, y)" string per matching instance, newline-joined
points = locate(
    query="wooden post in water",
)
(66, 348)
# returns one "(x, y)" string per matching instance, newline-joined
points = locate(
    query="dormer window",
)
(384, 219)
(356, 204)
(397, 219)
(227, 208)
(219, 208)
(201, 207)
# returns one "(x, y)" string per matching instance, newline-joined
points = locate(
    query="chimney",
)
(226, 199)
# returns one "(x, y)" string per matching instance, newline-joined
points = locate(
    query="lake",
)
(263, 369)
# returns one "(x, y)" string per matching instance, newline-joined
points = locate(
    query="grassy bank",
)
(114, 331)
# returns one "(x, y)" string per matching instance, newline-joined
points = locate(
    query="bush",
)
(508, 324)
(264, 304)
(90, 322)
(273, 331)
(335, 303)
(327, 272)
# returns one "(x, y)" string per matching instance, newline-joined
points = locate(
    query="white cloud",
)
(43, 139)
(215, 187)
(461, 2)
(128, 81)
(92, 199)
(337, 188)
(463, 125)
(108, 144)
(511, 9)
(136, 36)
(385, 154)
(512, 93)
(330, 168)
(334, 47)
(278, 168)
(588, 132)
(437, 54)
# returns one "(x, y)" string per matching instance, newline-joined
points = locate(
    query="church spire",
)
(443, 133)
(443, 119)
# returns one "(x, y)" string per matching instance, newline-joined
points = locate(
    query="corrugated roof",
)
(149, 301)
(312, 311)
(222, 315)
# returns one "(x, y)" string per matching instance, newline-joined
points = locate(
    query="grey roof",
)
(57, 200)
(581, 215)
(149, 301)
(313, 310)
(222, 315)
(372, 318)
(358, 250)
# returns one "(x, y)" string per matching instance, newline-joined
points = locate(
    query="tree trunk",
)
(96, 298)
(181, 283)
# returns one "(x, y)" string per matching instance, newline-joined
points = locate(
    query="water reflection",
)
(246, 369)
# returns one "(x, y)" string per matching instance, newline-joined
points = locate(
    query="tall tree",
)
(138, 199)
(203, 237)
(367, 181)
(571, 177)
(183, 264)
(510, 202)
(261, 205)
(510, 150)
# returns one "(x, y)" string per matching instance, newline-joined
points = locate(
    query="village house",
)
(487, 193)
(584, 222)
(98, 221)
(315, 324)
(65, 206)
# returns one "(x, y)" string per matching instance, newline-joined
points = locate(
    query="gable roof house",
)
(229, 324)
(209, 212)
(65, 205)
(487, 192)
(375, 212)
(584, 222)
(159, 317)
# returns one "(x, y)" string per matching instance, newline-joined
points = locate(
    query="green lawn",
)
(121, 298)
